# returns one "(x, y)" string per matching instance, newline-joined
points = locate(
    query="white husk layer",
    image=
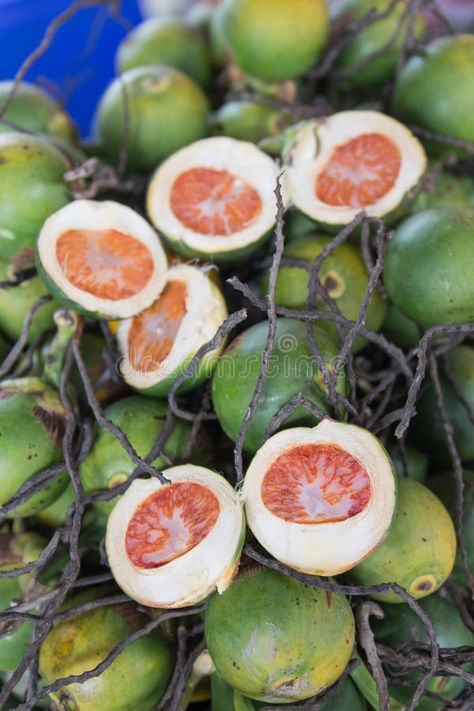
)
(241, 159)
(205, 311)
(316, 142)
(193, 576)
(89, 214)
(323, 548)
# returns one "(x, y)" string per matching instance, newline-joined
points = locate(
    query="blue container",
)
(80, 61)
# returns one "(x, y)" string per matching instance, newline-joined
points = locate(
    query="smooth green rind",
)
(16, 550)
(297, 224)
(427, 428)
(31, 189)
(429, 266)
(367, 686)
(442, 189)
(372, 39)
(31, 428)
(219, 49)
(249, 121)
(426, 95)
(136, 679)
(343, 273)
(444, 486)
(17, 301)
(346, 699)
(202, 373)
(399, 329)
(276, 640)
(292, 370)
(419, 551)
(167, 111)
(141, 419)
(276, 40)
(166, 41)
(233, 257)
(416, 463)
(402, 626)
(33, 110)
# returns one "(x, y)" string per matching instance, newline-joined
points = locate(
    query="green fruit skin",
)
(297, 224)
(426, 95)
(443, 486)
(232, 257)
(401, 626)
(33, 110)
(347, 697)
(416, 462)
(249, 121)
(419, 551)
(292, 370)
(445, 190)
(399, 329)
(276, 40)
(371, 39)
(277, 640)
(203, 372)
(31, 427)
(136, 679)
(429, 266)
(220, 51)
(167, 111)
(16, 551)
(141, 419)
(345, 267)
(17, 301)
(427, 427)
(31, 189)
(167, 41)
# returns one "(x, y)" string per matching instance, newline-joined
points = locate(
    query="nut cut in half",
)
(214, 199)
(353, 161)
(320, 500)
(171, 545)
(157, 344)
(101, 259)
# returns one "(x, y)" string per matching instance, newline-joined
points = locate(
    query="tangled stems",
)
(386, 402)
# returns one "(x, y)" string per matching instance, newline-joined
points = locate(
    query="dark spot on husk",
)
(53, 422)
(330, 283)
(424, 586)
(7, 555)
(442, 683)
(134, 619)
(23, 259)
(329, 598)
(425, 540)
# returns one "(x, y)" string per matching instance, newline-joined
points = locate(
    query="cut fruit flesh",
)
(105, 263)
(170, 523)
(352, 161)
(214, 202)
(359, 172)
(101, 258)
(170, 545)
(159, 342)
(214, 197)
(152, 333)
(316, 484)
(320, 500)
